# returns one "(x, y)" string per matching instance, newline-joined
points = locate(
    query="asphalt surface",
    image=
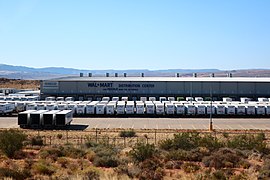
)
(159, 123)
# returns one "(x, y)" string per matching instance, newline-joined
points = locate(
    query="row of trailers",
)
(165, 108)
(44, 118)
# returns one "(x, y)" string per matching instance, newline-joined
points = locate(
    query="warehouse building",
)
(88, 87)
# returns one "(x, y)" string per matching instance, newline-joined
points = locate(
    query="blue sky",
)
(136, 34)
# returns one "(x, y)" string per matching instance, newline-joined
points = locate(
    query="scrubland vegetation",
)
(188, 155)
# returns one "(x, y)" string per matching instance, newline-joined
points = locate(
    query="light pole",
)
(211, 111)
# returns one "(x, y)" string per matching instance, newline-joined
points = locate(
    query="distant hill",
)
(23, 72)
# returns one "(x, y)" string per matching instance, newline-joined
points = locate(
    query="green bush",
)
(37, 141)
(105, 156)
(41, 167)
(248, 142)
(143, 151)
(14, 174)
(190, 140)
(50, 152)
(59, 136)
(128, 133)
(190, 167)
(11, 141)
(151, 168)
(72, 152)
(223, 158)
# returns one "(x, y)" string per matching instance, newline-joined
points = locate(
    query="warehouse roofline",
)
(165, 79)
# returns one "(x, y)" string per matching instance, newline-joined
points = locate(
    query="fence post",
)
(96, 135)
(50, 137)
(67, 136)
(124, 141)
(155, 136)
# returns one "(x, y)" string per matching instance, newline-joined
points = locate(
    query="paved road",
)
(159, 123)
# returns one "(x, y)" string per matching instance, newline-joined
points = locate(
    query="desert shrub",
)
(42, 167)
(223, 158)
(63, 161)
(218, 175)
(37, 141)
(105, 161)
(248, 142)
(190, 140)
(143, 151)
(14, 174)
(190, 167)
(193, 155)
(131, 171)
(90, 173)
(151, 168)
(90, 155)
(264, 172)
(90, 144)
(50, 152)
(105, 156)
(11, 141)
(72, 152)
(127, 133)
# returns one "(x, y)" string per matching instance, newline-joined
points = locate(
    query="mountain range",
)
(23, 72)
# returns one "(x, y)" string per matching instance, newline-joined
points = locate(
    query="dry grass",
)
(19, 84)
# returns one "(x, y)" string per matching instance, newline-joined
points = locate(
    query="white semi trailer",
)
(140, 107)
(120, 108)
(130, 107)
(7, 108)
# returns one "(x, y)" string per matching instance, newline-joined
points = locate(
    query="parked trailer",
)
(198, 99)
(260, 109)
(51, 107)
(41, 106)
(60, 99)
(191, 109)
(250, 110)
(201, 110)
(130, 107)
(36, 118)
(63, 118)
(49, 118)
(171, 98)
(20, 106)
(240, 109)
(227, 99)
(24, 118)
(160, 109)
(69, 99)
(244, 100)
(150, 107)
(180, 109)
(100, 108)
(210, 109)
(31, 106)
(62, 107)
(262, 99)
(120, 108)
(230, 109)
(110, 108)
(80, 110)
(220, 109)
(50, 99)
(116, 99)
(161, 99)
(170, 108)
(140, 107)
(72, 107)
(7, 108)
(91, 107)
(105, 99)
(124, 99)
(152, 98)
(267, 109)
(143, 99)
